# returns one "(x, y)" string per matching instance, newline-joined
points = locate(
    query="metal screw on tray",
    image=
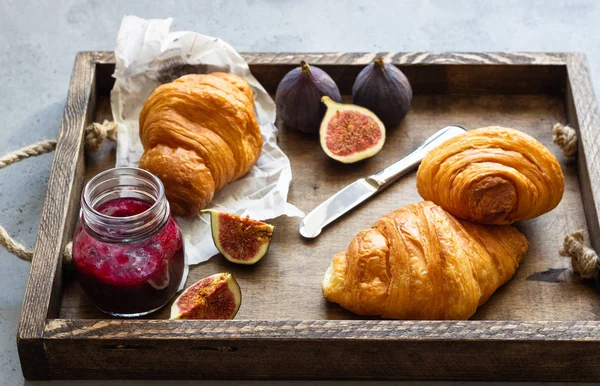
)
(361, 190)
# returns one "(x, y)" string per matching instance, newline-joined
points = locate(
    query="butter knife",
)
(361, 190)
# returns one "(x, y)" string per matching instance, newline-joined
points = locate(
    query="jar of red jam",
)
(128, 249)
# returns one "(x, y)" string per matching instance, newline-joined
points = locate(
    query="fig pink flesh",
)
(209, 298)
(350, 132)
(242, 238)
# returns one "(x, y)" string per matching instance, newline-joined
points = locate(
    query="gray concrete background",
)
(39, 39)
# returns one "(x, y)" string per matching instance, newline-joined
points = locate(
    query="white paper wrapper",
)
(147, 55)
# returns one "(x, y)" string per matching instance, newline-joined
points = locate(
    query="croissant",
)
(419, 262)
(199, 133)
(492, 175)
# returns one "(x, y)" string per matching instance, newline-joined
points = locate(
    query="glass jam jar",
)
(127, 249)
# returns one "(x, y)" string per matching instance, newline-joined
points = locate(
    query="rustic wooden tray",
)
(539, 326)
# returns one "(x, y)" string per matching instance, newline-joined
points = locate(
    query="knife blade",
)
(364, 188)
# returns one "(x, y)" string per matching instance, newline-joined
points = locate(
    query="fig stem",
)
(305, 67)
(379, 61)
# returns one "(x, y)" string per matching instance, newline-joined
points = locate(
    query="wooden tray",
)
(539, 326)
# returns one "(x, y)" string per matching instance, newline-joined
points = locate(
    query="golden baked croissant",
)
(492, 175)
(419, 262)
(199, 133)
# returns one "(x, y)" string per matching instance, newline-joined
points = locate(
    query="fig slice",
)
(214, 297)
(241, 240)
(350, 133)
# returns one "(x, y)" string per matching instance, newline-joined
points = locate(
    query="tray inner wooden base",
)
(286, 283)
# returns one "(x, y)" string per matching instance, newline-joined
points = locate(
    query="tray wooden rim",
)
(38, 325)
(481, 330)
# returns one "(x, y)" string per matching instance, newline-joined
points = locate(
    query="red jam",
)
(129, 278)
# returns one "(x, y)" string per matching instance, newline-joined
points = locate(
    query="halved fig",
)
(241, 240)
(214, 297)
(350, 133)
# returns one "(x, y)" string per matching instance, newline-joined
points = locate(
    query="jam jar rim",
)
(89, 212)
(160, 197)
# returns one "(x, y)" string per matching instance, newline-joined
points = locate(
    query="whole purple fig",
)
(298, 97)
(383, 89)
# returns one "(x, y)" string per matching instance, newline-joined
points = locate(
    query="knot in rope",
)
(96, 133)
(566, 138)
(584, 259)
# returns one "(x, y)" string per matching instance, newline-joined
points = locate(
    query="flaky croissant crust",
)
(419, 262)
(199, 133)
(492, 175)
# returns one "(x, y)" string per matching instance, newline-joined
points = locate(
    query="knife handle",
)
(396, 170)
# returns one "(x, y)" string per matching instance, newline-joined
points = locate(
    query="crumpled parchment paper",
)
(147, 55)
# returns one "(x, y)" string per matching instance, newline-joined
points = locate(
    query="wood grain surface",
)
(364, 58)
(44, 286)
(324, 349)
(582, 110)
(541, 325)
